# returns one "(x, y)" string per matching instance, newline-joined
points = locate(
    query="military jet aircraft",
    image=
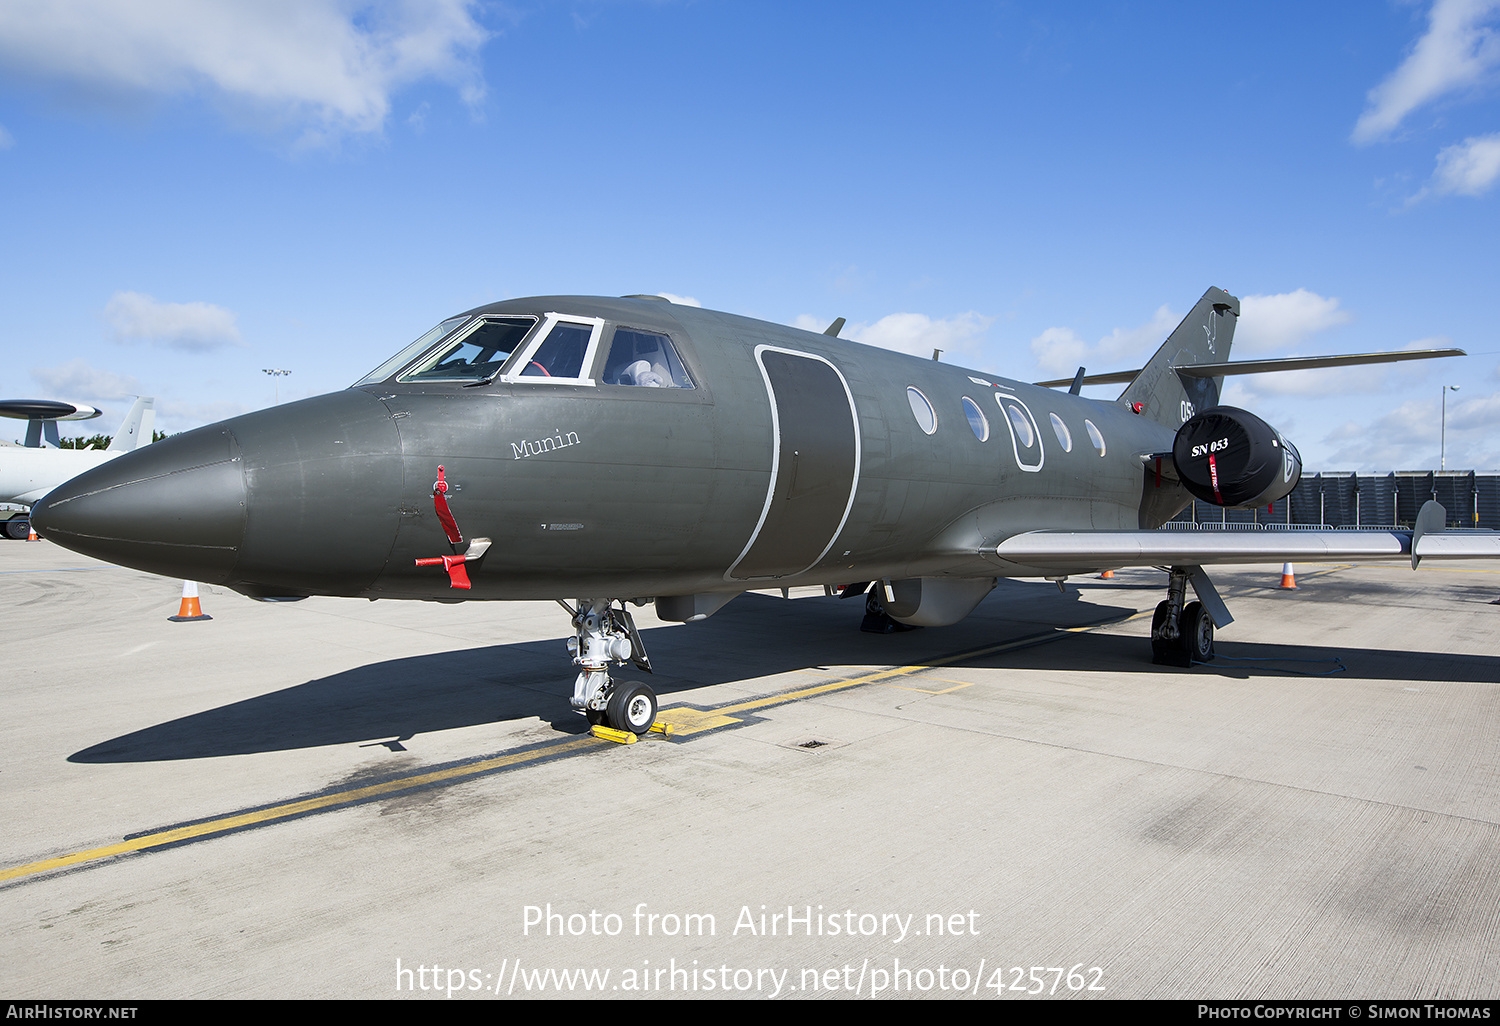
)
(28, 472)
(607, 451)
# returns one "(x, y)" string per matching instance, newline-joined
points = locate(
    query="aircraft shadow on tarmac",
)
(756, 636)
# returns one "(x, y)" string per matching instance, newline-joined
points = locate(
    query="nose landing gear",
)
(605, 634)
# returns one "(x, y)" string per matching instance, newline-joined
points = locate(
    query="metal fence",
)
(1365, 500)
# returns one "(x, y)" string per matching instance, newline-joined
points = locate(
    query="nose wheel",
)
(605, 634)
(632, 707)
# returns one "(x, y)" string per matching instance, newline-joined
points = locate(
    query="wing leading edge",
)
(1078, 551)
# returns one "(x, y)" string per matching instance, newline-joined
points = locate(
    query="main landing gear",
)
(1182, 633)
(605, 634)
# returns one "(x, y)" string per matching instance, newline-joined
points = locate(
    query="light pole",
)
(276, 375)
(1443, 444)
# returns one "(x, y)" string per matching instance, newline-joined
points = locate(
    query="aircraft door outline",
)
(805, 445)
(1012, 408)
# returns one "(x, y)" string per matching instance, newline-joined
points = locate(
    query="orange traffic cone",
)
(189, 609)
(1108, 575)
(1288, 576)
(30, 531)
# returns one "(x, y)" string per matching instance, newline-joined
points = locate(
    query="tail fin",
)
(1203, 337)
(138, 427)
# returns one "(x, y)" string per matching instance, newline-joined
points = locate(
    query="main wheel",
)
(632, 707)
(17, 528)
(1197, 638)
(1161, 647)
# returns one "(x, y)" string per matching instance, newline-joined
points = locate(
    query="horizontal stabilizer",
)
(1289, 363)
(1112, 378)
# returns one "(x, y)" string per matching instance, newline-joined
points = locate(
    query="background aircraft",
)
(31, 471)
(611, 451)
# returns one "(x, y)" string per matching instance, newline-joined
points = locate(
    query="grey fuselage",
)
(795, 458)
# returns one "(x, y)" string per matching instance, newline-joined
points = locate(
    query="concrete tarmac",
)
(339, 798)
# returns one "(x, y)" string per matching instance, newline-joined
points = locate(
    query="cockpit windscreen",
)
(410, 353)
(478, 355)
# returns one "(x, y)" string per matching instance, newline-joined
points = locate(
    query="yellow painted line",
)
(1112, 623)
(958, 685)
(287, 810)
(682, 720)
(1396, 564)
(1453, 569)
(686, 721)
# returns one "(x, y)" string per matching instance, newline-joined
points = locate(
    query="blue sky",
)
(191, 193)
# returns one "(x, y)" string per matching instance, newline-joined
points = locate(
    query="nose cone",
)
(175, 507)
(301, 499)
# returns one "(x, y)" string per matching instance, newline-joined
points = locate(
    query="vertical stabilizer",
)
(139, 425)
(1203, 336)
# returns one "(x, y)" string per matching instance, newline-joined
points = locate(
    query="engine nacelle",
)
(1229, 457)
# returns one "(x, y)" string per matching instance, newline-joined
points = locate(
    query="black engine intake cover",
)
(1230, 457)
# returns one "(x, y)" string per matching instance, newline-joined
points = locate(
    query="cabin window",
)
(977, 421)
(1064, 436)
(478, 354)
(1025, 438)
(922, 410)
(645, 359)
(1095, 436)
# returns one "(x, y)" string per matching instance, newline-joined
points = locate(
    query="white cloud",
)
(1244, 390)
(1143, 340)
(198, 327)
(1061, 350)
(331, 65)
(918, 335)
(1459, 50)
(1410, 436)
(679, 300)
(1405, 438)
(1285, 319)
(77, 379)
(6, 139)
(1261, 391)
(1468, 168)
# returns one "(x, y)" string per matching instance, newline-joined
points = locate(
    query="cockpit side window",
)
(478, 355)
(561, 351)
(561, 354)
(644, 358)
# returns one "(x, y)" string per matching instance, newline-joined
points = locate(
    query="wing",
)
(1083, 551)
